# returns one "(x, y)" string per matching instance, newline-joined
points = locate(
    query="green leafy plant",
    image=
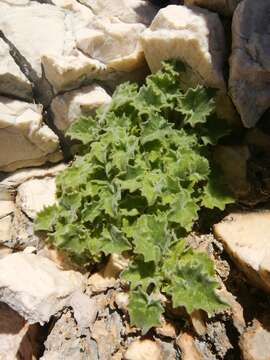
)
(142, 176)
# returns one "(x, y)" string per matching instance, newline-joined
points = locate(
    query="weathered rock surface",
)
(224, 7)
(70, 106)
(192, 35)
(12, 80)
(246, 238)
(24, 139)
(255, 342)
(67, 341)
(35, 194)
(18, 340)
(35, 287)
(250, 60)
(143, 350)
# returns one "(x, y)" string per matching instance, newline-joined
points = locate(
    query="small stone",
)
(167, 329)
(35, 287)
(193, 35)
(188, 347)
(84, 308)
(143, 350)
(255, 342)
(35, 194)
(246, 238)
(6, 229)
(197, 318)
(7, 207)
(121, 300)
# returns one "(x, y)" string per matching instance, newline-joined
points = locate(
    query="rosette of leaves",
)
(142, 174)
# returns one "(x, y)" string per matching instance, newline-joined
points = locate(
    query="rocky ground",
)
(60, 59)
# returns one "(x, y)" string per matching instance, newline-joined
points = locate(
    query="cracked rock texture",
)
(43, 288)
(194, 36)
(250, 60)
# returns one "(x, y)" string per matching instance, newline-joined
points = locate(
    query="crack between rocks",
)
(42, 91)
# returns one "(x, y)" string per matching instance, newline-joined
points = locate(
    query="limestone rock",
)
(128, 11)
(12, 81)
(5, 229)
(192, 35)
(143, 350)
(35, 194)
(24, 139)
(35, 287)
(18, 340)
(246, 238)
(224, 7)
(70, 106)
(250, 60)
(6, 208)
(66, 341)
(255, 342)
(22, 233)
(10, 183)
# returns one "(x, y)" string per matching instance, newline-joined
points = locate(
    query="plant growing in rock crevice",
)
(143, 173)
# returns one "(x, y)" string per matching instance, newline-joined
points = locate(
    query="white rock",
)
(35, 194)
(112, 41)
(192, 35)
(250, 60)
(6, 207)
(129, 11)
(24, 139)
(224, 7)
(246, 237)
(35, 287)
(84, 308)
(9, 185)
(189, 348)
(143, 350)
(5, 229)
(36, 30)
(12, 80)
(70, 106)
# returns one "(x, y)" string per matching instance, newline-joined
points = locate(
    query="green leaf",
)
(216, 193)
(85, 130)
(141, 273)
(193, 284)
(114, 241)
(144, 311)
(150, 237)
(183, 210)
(46, 219)
(197, 104)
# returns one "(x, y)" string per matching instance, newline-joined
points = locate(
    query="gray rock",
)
(250, 60)
(67, 341)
